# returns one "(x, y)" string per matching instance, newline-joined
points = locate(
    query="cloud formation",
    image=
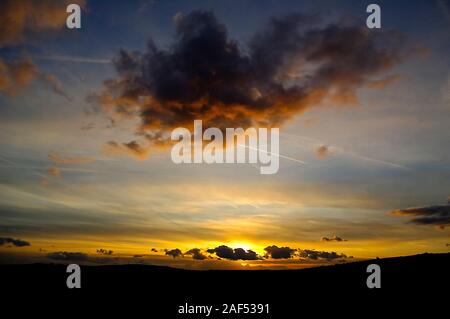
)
(233, 254)
(334, 238)
(21, 20)
(196, 253)
(22, 23)
(17, 75)
(437, 215)
(15, 242)
(174, 252)
(276, 252)
(315, 254)
(104, 251)
(289, 67)
(55, 85)
(132, 148)
(271, 252)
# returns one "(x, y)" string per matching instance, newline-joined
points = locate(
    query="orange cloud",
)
(322, 151)
(22, 18)
(20, 22)
(54, 171)
(17, 75)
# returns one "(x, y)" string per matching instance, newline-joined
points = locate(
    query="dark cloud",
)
(67, 256)
(315, 254)
(276, 252)
(174, 252)
(289, 67)
(196, 254)
(104, 251)
(233, 254)
(15, 242)
(273, 252)
(334, 238)
(437, 215)
(154, 250)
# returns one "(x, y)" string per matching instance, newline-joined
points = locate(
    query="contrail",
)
(74, 59)
(349, 153)
(270, 153)
(371, 159)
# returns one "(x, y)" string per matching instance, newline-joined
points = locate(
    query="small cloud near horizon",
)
(4, 241)
(334, 238)
(436, 215)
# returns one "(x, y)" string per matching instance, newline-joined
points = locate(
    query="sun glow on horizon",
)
(243, 244)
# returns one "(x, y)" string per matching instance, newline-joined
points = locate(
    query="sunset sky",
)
(364, 115)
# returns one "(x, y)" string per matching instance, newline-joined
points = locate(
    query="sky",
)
(86, 114)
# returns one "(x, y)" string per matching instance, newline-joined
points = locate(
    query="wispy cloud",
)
(75, 59)
(17, 75)
(438, 215)
(14, 242)
(326, 149)
(61, 159)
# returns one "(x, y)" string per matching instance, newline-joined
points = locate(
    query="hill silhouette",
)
(163, 289)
